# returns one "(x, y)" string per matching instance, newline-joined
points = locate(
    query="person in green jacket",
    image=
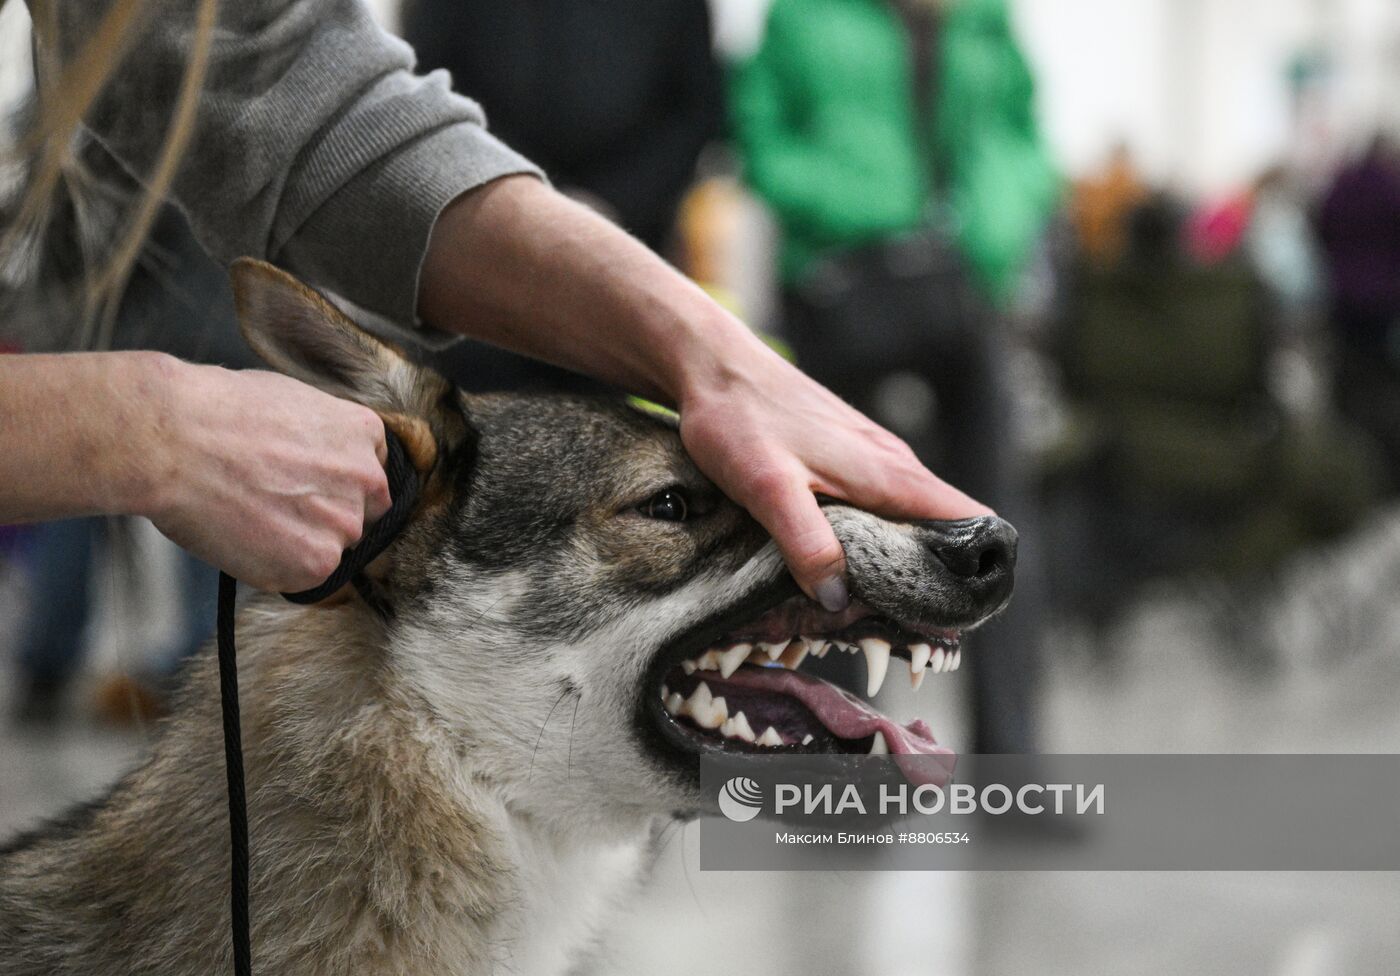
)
(832, 134)
(870, 127)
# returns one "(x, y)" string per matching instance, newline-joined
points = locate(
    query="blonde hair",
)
(67, 89)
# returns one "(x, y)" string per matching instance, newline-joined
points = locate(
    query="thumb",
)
(785, 505)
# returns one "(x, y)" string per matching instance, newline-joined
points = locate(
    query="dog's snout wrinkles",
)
(978, 550)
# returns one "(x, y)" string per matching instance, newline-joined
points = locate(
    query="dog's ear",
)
(296, 330)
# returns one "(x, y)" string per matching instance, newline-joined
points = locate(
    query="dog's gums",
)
(745, 693)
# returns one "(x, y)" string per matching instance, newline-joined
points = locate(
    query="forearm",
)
(519, 265)
(78, 432)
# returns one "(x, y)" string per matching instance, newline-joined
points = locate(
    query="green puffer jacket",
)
(824, 117)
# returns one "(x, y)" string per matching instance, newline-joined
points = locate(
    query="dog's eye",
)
(666, 506)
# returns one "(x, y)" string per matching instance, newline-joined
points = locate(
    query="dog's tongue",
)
(848, 717)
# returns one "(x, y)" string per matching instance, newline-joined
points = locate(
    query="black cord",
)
(403, 492)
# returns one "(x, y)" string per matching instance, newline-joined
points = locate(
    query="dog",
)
(466, 773)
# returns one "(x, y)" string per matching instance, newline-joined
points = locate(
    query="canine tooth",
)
(737, 727)
(772, 650)
(675, 703)
(689, 667)
(916, 679)
(879, 747)
(770, 737)
(877, 663)
(807, 739)
(954, 660)
(794, 656)
(730, 660)
(939, 656)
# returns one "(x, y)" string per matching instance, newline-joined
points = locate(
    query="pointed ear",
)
(296, 330)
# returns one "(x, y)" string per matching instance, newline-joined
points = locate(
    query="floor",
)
(1322, 675)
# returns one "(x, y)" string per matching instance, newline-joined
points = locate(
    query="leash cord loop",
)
(403, 493)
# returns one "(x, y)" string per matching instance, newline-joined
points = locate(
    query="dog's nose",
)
(977, 550)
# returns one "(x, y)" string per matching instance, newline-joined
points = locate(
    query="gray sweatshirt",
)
(316, 145)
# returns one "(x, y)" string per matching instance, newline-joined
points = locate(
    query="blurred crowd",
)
(1145, 384)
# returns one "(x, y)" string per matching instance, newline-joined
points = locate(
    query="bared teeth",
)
(954, 660)
(817, 646)
(795, 654)
(877, 663)
(689, 667)
(675, 704)
(770, 737)
(939, 656)
(704, 709)
(879, 747)
(730, 660)
(807, 739)
(709, 661)
(774, 651)
(737, 727)
(919, 655)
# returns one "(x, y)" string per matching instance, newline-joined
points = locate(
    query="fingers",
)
(887, 478)
(377, 498)
(783, 503)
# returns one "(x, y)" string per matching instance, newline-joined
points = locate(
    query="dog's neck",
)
(374, 848)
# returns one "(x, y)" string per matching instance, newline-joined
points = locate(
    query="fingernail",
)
(832, 594)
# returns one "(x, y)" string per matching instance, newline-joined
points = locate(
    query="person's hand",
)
(265, 477)
(772, 439)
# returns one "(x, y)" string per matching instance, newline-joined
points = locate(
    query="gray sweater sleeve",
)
(316, 145)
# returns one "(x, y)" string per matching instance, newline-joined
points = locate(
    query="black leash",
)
(403, 492)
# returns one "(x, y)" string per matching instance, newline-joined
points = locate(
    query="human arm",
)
(253, 472)
(518, 264)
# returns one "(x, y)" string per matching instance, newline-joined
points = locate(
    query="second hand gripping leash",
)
(403, 493)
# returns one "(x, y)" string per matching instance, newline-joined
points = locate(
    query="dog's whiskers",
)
(569, 688)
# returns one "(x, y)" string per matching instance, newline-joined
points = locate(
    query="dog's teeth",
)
(737, 727)
(709, 661)
(774, 651)
(689, 667)
(701, 697)
(879, 747)
(795, 655)
(877, 663)
(665, 692)
(819, 647)
(954, 660)
(675, 704)
(919, 655)
(939, 656)
(807, 739)
(730, 660)
(712, 716)
(770, 737)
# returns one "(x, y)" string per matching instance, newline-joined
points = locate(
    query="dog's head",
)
(585, 614)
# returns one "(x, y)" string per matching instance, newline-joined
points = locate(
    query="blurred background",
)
(1128, 270)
